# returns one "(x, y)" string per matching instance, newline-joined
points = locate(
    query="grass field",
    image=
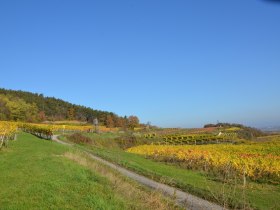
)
(40, 174)
(255, 195)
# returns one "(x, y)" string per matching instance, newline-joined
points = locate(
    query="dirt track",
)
(182, 198)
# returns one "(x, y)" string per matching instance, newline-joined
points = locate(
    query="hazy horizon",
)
(173, 63)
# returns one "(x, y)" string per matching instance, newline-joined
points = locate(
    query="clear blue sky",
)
(176, 63)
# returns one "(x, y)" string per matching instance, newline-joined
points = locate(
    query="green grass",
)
(256, 195)
(104, 139)
(104, 136)
(35, 174)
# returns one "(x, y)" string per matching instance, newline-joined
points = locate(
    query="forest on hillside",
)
(17, 105)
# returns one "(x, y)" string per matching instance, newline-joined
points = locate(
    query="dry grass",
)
(136, 196)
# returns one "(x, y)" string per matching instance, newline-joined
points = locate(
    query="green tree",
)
(19, 110)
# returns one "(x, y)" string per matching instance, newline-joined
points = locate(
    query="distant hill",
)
(244, 132)
(20, 105)
(271, 129)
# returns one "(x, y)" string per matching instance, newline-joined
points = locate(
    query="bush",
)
(78, 138)
(128, 141)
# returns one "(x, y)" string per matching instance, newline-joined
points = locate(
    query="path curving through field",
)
(184, 199)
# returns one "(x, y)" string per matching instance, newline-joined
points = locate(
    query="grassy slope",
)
(36, 175)
(260, 196)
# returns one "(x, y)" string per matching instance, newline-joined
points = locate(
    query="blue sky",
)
(179, 63)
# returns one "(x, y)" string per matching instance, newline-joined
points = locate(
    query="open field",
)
(40, 174)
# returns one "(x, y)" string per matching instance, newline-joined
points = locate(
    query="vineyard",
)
(182, 139)
(41, 131)
(75, 128)
(7, 132)
(259, 161)
(179, 131)
(45, 131)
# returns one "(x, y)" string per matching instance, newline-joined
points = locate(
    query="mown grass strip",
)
(39, 174)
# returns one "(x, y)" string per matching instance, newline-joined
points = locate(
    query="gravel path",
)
(182, 198)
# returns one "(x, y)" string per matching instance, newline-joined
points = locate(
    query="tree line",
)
(17, 105)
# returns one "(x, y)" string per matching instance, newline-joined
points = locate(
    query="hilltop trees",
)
(33, 107)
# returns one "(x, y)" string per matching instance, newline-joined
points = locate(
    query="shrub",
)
(78, 138)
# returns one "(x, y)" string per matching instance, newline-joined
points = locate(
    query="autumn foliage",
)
(258, 161)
